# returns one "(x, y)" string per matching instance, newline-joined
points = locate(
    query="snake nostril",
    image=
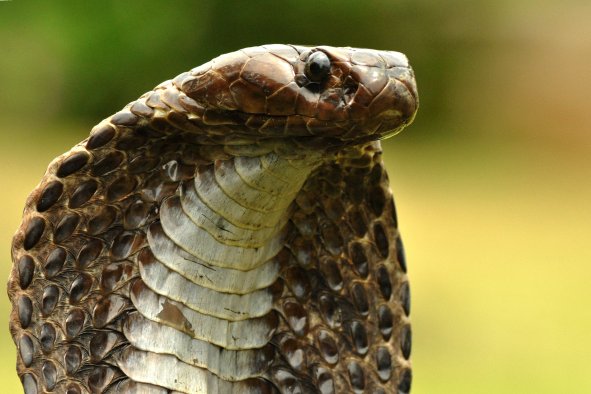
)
(349, 87)
(301, 80)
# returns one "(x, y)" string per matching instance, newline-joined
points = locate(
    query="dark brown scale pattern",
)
(72, 283)
(74, 322)
(100, 136)
(79, 288)
(26, 349)
(47, 337)
(353, 342)
(109, 163)
(359, 337)
(101, 220)
(54, 262)
(405, 297)
(66, 227)
(357, 221)
(383, 277)
(384, 363)
(405, 381)
(49, 299)
(141, 164)
(400, 254)
(137, 214)
(49, 372)
(103, 343)
(25, 311)
(50, 195)
(356, 376)
(72, 359)
(121, 188)
(100, 378)
(73, 388)
(72, 163)
(296, 317)
(26, 271)
(329, 310)
(324, 379)
(405, 341)
(359, 296)
(330, 272)
(328, 347)
(359, 258)
(126, 244)
(294, 354)
(298, 282)
(89, 253)
(108, 309)
(381, 239)
(385, 320)
(29, 383)
(83, 193)
(34, 232)
(124, 118)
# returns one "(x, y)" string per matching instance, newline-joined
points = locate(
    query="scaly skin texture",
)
(333, 297)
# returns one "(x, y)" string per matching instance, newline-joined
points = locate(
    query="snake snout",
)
(400, 102)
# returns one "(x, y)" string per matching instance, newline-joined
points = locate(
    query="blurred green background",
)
(492, 182)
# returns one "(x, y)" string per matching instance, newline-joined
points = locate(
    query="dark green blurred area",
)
(80, 60)
(492, 181)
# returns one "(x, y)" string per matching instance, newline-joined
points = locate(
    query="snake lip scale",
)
(231, 231)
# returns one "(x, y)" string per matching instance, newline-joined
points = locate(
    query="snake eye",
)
(317, 67)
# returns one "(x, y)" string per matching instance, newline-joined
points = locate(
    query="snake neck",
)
(207, 273)
(237, 208)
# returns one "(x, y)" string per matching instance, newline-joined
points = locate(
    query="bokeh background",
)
(492, 182)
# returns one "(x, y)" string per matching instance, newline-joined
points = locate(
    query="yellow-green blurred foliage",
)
(492, 182)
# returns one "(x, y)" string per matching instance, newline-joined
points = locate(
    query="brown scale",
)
(339, 329)
(76, 257)
(342, 300)
(358, 336)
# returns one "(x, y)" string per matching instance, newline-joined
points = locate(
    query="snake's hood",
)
(345, 94)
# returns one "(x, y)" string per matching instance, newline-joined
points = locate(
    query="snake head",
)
(349, 95)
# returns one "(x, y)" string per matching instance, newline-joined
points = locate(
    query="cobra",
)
(231, 231)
